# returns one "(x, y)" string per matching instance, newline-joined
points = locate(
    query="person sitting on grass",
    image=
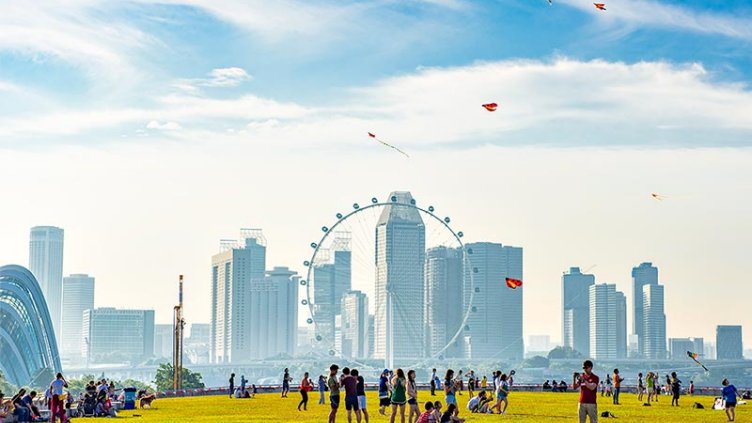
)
(546, 386)
(20, 409)
(562, 386)
(437, 410)
(428, 416)
(479, 403)
(451, 415)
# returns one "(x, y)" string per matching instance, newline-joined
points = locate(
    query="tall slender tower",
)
(575, 298)
(177, 344)
(400, 258)
(78, 296)
(46, 263)
(644, 274)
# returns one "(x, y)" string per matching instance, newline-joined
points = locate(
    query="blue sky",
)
(114, 115)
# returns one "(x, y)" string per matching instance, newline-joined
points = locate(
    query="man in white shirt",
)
(56, 405)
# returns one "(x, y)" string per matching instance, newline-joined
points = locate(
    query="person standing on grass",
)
(334, 385)
(502, 393)
(350, 383)
(640, 388)
(57, 408)
(232, 384)
(617, 386)
(587, 383)
(471, 381)
(729, 397)
(450, 388)
(675, 389)
(383, 392)
(433, 383)
(286, 379)
(361, 390)
(412, 397)
(399, 395)
(691, 388)
(305, 387)
(322, 389)
(650, 380)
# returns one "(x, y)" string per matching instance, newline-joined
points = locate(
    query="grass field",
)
(523, 407)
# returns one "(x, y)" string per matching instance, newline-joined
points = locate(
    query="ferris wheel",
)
(389, 280)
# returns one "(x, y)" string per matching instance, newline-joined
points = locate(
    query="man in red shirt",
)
(588, 385)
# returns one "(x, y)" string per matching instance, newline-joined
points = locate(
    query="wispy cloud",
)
(219, 77)
(558, 103)
(164, 126)
(643, 13)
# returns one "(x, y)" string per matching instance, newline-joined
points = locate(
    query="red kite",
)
(372, 135)
(600, 6)
(694, 356)
(491, 107)
(513, 283)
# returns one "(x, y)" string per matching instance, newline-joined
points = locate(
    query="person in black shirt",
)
(232, 384)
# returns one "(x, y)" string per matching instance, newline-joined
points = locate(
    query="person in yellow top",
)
(484, 382)
(617, 386)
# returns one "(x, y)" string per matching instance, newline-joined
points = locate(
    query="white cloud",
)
(562, 102)
(663, 15)
(166, 126)
(76, 33)
(219, 77)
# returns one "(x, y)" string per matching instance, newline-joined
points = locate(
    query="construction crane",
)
(177, 341)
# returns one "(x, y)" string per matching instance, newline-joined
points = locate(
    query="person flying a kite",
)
(372, 135)
(491, 107)
(513, 283)
(694, 356)
(600, 6)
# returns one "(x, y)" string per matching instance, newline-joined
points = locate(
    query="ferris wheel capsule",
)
(374, 200)
(339, 215)
(304, 302)
(446, 219)
(394, 199)
(303, 282)
(431, 209)
(306, 263)
(356, 206)
(324, 229)
(309, 320)
(314, 245)
(319, 338)
(460, 234)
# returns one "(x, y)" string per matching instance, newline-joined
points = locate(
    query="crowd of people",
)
(24, 405)
(244, 390)
(398, 393)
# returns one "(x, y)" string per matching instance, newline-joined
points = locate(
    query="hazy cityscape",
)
(423, 311)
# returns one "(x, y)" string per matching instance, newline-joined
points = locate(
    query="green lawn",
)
(523, 407)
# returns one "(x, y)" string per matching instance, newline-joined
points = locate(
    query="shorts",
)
(351, 403)
(334, 401)
(450, 399)
(412, 401)
(362, 402)
(730, 404)
(384, 402)
(500, 396)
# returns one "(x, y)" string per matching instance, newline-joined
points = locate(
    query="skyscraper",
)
(644, 274)
(113, 336)
(728, 343)
(494, 325)
(46, 263)
(78, 296)
(234, 270)
(653, 341)
(621, 325)
(274, 314)
(163, 339)
(678, 348)
(444, 308)
(575, 296)
(355, 325)
(332, 280)
(400, 257)
(605, 318)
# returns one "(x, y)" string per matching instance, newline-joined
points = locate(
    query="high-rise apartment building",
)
(78, 296)
(575, 294)
(400, 258)
(494, 327)
(235, 269)
(46, 263)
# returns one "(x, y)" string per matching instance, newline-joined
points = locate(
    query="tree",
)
(191, 380)
(536, 362)
(563, 353)
(6, 387)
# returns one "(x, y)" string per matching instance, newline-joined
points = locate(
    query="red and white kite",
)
(600, 6)
(514, 283)
(372, 135)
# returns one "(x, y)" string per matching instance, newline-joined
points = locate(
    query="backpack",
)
(607, 414)
(698, 405)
